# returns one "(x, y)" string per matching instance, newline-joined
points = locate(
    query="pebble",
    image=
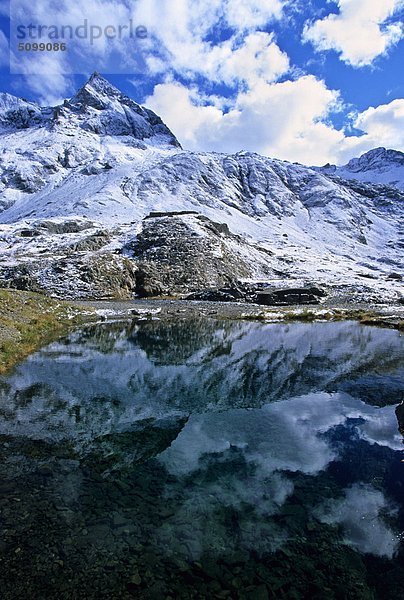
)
(118, 520)
(259, 593)
(136, 579)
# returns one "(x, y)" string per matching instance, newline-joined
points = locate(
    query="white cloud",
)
(359, 32)
(195, 18)
(233, 62)
(385, 122)
(251, 13)
(96, 34)
(287, 120)
(180, 39)
(177, 106)
(257, 59)
(50, 89)
(359, 514)
(49, 82)
(181, 42)
(382, 125)
(275, 119)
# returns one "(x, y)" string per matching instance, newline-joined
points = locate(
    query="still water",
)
(204, 459)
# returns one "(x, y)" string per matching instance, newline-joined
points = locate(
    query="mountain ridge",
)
(379, 165)
(78, 180)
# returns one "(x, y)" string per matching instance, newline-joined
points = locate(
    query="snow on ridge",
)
(103, 158)
(378, 166)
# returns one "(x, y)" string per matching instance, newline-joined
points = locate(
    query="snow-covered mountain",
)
(97, 198)
(376, 166)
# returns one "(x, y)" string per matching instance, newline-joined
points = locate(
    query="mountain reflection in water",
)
(200, 459)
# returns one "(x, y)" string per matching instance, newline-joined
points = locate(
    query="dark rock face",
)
(400, 417)
(21, 277)
(170, 213)
(284, 297)
(178, 254)
(230, 294)
(16, 113)
(148, 281)
(93, 242)
(241, 292)
(395, 276)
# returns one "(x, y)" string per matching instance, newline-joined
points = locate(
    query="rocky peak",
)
(102, 85)
(109, 111)
(380, 165)
(97, 92)
(376, 158)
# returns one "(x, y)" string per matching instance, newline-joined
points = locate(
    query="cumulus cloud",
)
(382, 125)
(180, 41)
(257, 58)
(251, 13)
(180, 35)
(49, 80)
(184, 43)
(288, 120)
(359, 515)
(50, 89)
(193, 18)
(360, 32)
(385, 122)
(277, 119)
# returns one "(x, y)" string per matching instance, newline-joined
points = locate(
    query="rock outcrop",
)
(99, 276)
(181, 253)
(283, 297)
(400, 417)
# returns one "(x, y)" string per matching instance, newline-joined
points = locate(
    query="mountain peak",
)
(101, 85)
(97, 92)
(95, 76)
(109, 111)
(379, 165)
(376, 158)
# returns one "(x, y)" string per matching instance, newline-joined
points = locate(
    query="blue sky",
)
(312, 81)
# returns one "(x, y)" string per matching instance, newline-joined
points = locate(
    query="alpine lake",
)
(199, 458)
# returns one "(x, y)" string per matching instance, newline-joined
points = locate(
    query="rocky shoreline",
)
(29, 320)
(385, 315)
